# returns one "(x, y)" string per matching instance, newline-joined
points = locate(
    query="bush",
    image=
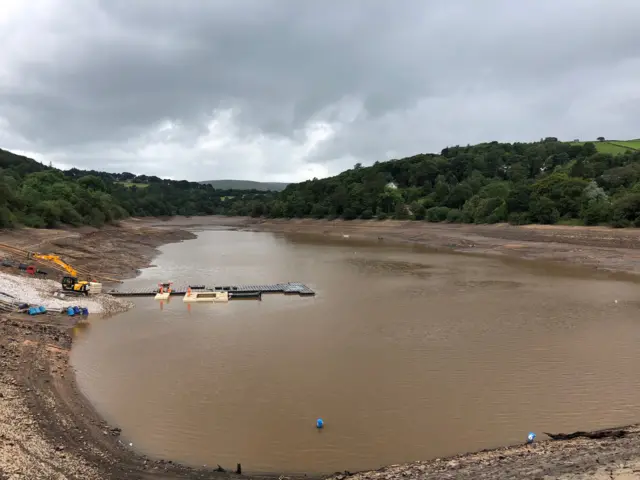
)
(519, 218)
(455, 216)
(437, 214)
(367, 214)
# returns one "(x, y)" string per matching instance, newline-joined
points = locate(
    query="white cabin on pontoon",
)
(206, 296)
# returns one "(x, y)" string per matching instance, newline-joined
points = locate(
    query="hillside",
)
(541, 182)
(35, 195)
(246, 185)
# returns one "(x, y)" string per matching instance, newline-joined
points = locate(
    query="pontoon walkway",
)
(285, 288)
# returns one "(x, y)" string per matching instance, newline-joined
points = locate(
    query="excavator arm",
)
(70, 282)
(57, 260)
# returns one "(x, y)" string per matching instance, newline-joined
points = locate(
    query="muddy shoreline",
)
(48, 429)
(600, 248)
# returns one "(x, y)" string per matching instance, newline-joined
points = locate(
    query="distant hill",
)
(246, 185)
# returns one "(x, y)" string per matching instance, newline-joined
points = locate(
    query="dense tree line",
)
(36, 195)
(542, 182)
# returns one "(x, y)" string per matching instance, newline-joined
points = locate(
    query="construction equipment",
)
(70, 282)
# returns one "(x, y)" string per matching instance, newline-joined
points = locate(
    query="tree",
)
(626, 211)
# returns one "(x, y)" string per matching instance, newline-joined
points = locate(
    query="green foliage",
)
(437, 214)
(626, 211)
(541, 182)
(34, 195)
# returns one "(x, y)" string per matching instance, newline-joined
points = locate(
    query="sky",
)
(288, 90)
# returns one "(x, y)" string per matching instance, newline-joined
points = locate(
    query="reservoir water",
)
(406, 354)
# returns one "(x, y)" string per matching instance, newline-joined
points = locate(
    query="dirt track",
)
(49, 430)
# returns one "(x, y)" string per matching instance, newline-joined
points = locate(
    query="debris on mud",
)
(596, 435)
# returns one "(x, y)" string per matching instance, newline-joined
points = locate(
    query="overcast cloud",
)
(285, 90)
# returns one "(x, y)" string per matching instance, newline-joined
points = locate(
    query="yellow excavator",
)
(69, 282)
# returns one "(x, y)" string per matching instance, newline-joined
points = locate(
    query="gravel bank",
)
(35, 291)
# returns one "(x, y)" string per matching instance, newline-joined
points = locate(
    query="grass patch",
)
(632, 144)
(131, 184)
(246, 185)
(614, 147)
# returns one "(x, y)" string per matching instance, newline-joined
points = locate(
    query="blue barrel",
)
(70, 311)
(319, 423)
(42, 309)
(33, 310)
(77, 310)
(85, 311)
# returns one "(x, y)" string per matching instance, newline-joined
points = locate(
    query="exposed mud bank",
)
(49, 430)
(601, 248)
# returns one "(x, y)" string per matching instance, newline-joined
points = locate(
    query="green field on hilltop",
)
(132, 184)
(246, 185)
(633, 144)
(614, 147)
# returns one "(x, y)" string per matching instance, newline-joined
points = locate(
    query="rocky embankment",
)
(20, 289)
(615, 455)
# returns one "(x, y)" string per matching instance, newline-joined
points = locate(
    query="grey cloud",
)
(123, 67)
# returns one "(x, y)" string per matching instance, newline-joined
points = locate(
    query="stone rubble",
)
(36, 292)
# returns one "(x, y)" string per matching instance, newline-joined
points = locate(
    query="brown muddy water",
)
(406, 354)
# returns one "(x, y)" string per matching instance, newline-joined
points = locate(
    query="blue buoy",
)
(319, 423)
(531, 437)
